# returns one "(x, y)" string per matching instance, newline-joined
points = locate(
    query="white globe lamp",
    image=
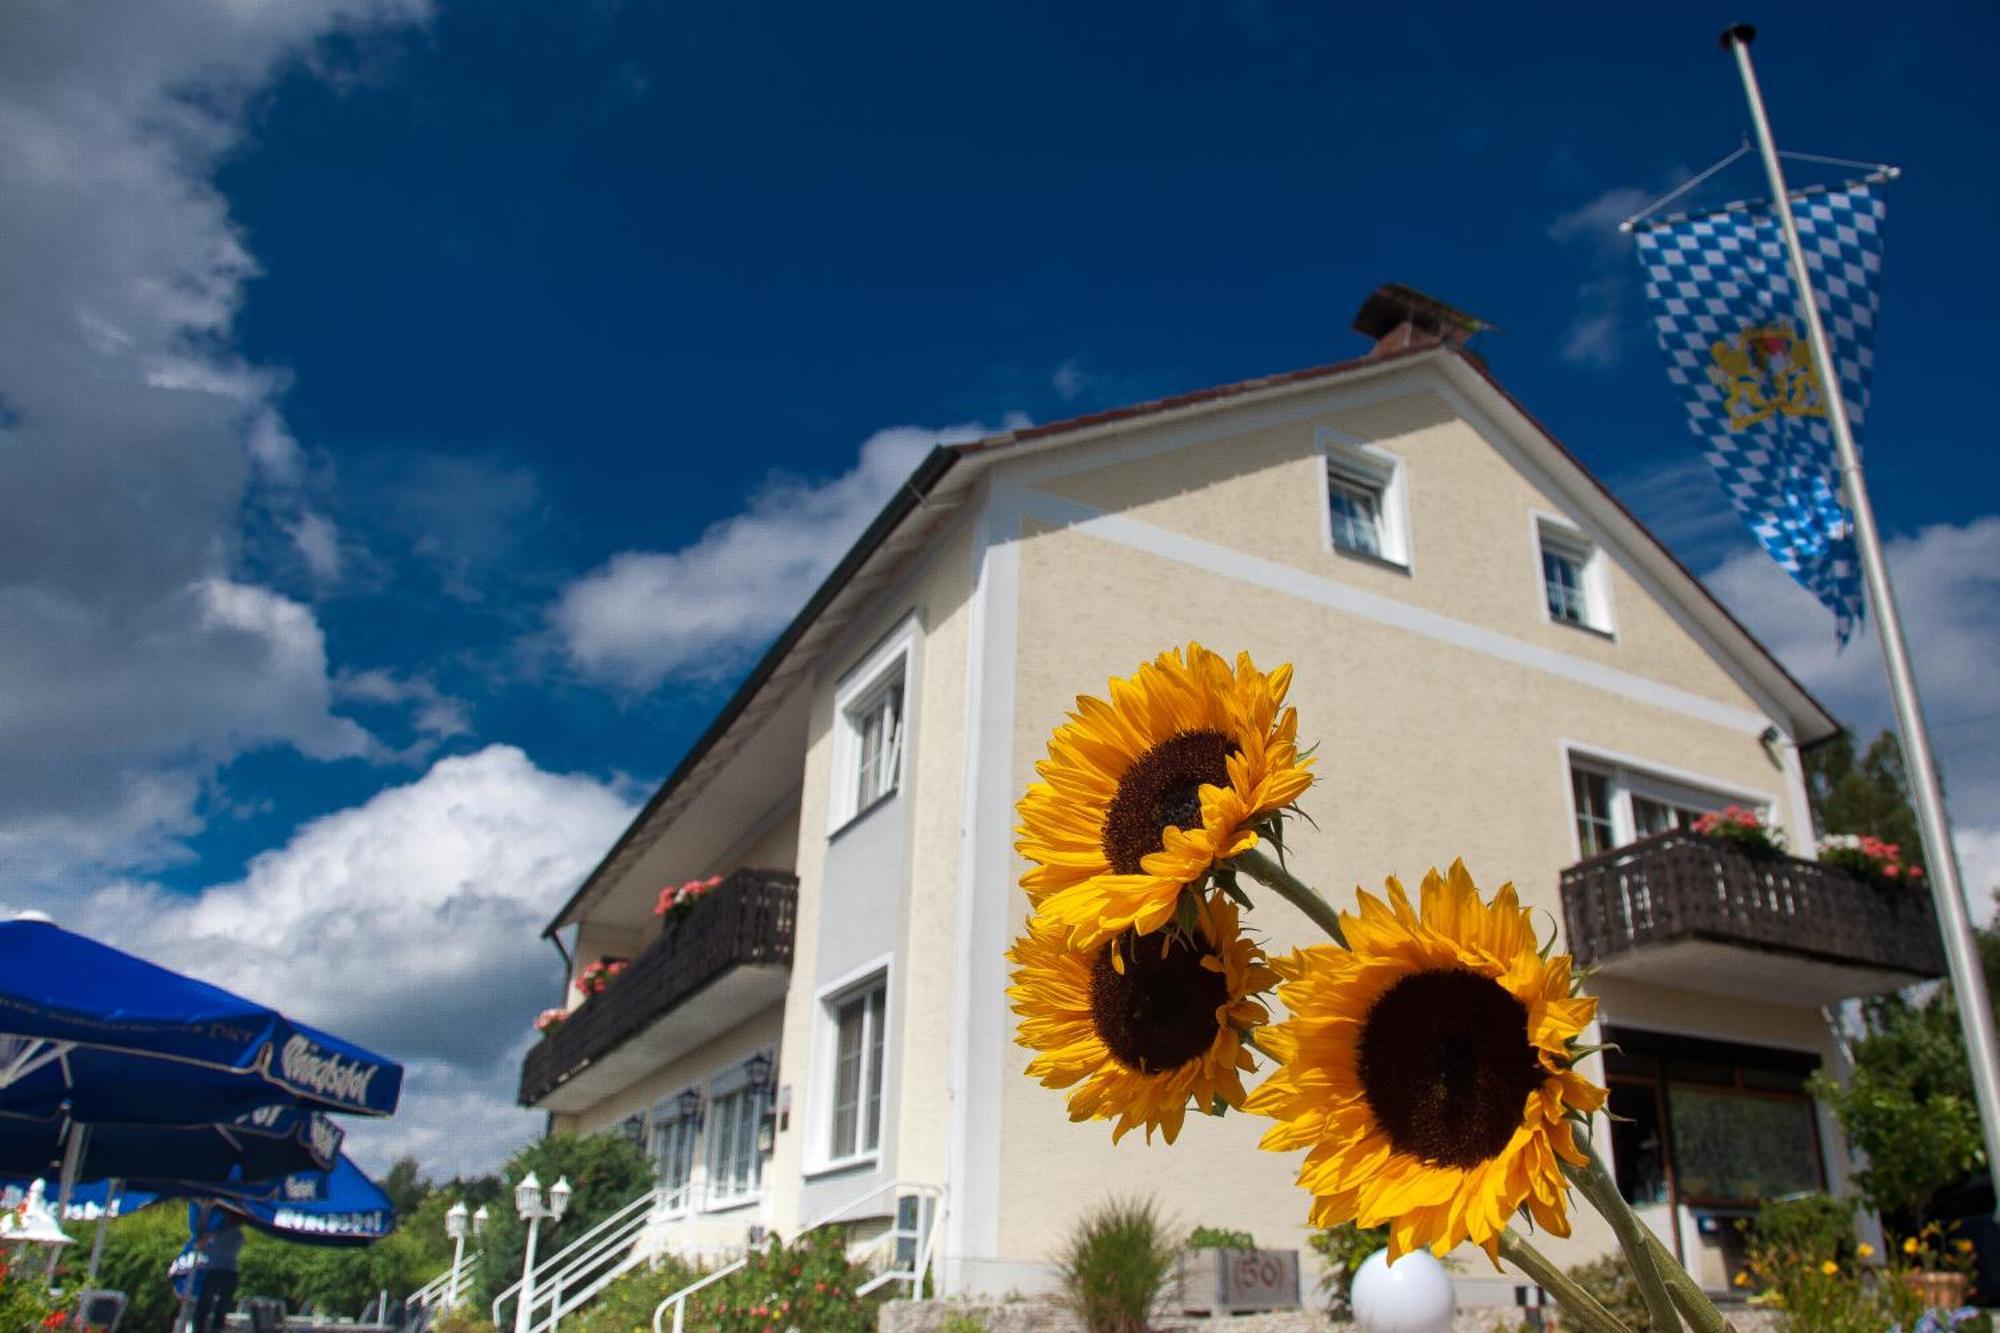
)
(1413, 1295)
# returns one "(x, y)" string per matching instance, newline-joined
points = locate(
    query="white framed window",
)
(878, 740)
(1367, 512)
(871, 722)
(676, 1127)
(1575, 585)
(856, 1022)
(735, 1164)
(1614, 801)
(1590, 796)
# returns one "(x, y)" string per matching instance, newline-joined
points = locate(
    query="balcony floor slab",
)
(731, 999)
(1743, 972)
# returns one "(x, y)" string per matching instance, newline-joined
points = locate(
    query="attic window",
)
(1367, 515)
(1575, 586)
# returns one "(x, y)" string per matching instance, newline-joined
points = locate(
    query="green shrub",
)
(629, 1302)
(809, 1284)
(1219, 1238)
(25, 1302)
(1114, 1266)
(605, 1173)
(1610, 1280)
(137, 1249)
(1810, 1229)
(465, 1319)
(1342, 1250)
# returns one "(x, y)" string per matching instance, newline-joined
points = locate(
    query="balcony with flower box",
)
(1713, 914)
(715, 963)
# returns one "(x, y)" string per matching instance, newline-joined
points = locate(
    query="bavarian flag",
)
(1727, 315)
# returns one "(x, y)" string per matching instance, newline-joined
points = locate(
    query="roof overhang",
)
(947, 476)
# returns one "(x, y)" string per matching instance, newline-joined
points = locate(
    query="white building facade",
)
(1497, 663)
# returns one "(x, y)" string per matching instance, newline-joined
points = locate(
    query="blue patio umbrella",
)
(97, 1036)
(350, 1210)
(264, 1145)
(107, 1037)
(341, 1206)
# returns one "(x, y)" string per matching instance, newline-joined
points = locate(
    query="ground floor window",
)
(676, 1125)
(857, 1070)
(735, 1111)
(1709, 1124)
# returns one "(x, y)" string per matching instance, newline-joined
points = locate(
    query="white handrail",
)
(679, 1299)
(566, 1300)
(439, 1287)
(926, 1231)
(648, 1200)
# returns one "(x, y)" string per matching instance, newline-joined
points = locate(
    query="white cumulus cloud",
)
(411, 924)
(698, 611)
(136, 652)
(1947, 580)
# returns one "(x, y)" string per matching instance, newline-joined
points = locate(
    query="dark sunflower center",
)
(1159, 1013)
(1446, 1066)
(1162, 790)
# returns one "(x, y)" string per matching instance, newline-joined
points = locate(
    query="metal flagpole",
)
(1968, 982)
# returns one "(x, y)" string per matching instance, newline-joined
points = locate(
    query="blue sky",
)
(384, 383)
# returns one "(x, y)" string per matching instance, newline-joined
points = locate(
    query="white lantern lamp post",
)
(528, 1202)
(455, 1227)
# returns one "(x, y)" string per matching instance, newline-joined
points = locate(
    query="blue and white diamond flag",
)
(1727, 316)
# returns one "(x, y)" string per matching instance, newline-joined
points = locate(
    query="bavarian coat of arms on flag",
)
(1727, 316)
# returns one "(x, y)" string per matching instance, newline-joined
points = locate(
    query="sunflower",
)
(1142, 795)
(1145, 1035)
(1427, 1067)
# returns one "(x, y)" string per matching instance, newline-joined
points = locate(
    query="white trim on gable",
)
(1125, 531)
(1623, 539)
(1524, 445)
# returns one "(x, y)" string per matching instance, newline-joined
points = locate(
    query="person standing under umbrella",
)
(221, 1250)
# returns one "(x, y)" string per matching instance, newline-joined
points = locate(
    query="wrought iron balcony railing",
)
(746, 920)
(1680, 886)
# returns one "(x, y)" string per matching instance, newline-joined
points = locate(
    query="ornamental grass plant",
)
(1115, 1265)
(1425, 1057)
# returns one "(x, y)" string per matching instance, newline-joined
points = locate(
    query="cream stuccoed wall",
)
(879, 891)
(701, 1230)
(1473, 495)
(1433, 745)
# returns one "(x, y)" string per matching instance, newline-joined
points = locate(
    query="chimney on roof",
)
(1399, 318)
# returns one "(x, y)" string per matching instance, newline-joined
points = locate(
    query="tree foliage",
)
(605, 1172)
(1865, 795)
(1909, 1105)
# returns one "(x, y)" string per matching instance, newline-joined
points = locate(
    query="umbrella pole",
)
(186, 1315)
(113, 1193)
(72, 1160)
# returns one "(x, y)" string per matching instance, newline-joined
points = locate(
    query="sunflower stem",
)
(1694, 1304)
(1590, 1316)
(1597, 1186)
(1294, 890)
